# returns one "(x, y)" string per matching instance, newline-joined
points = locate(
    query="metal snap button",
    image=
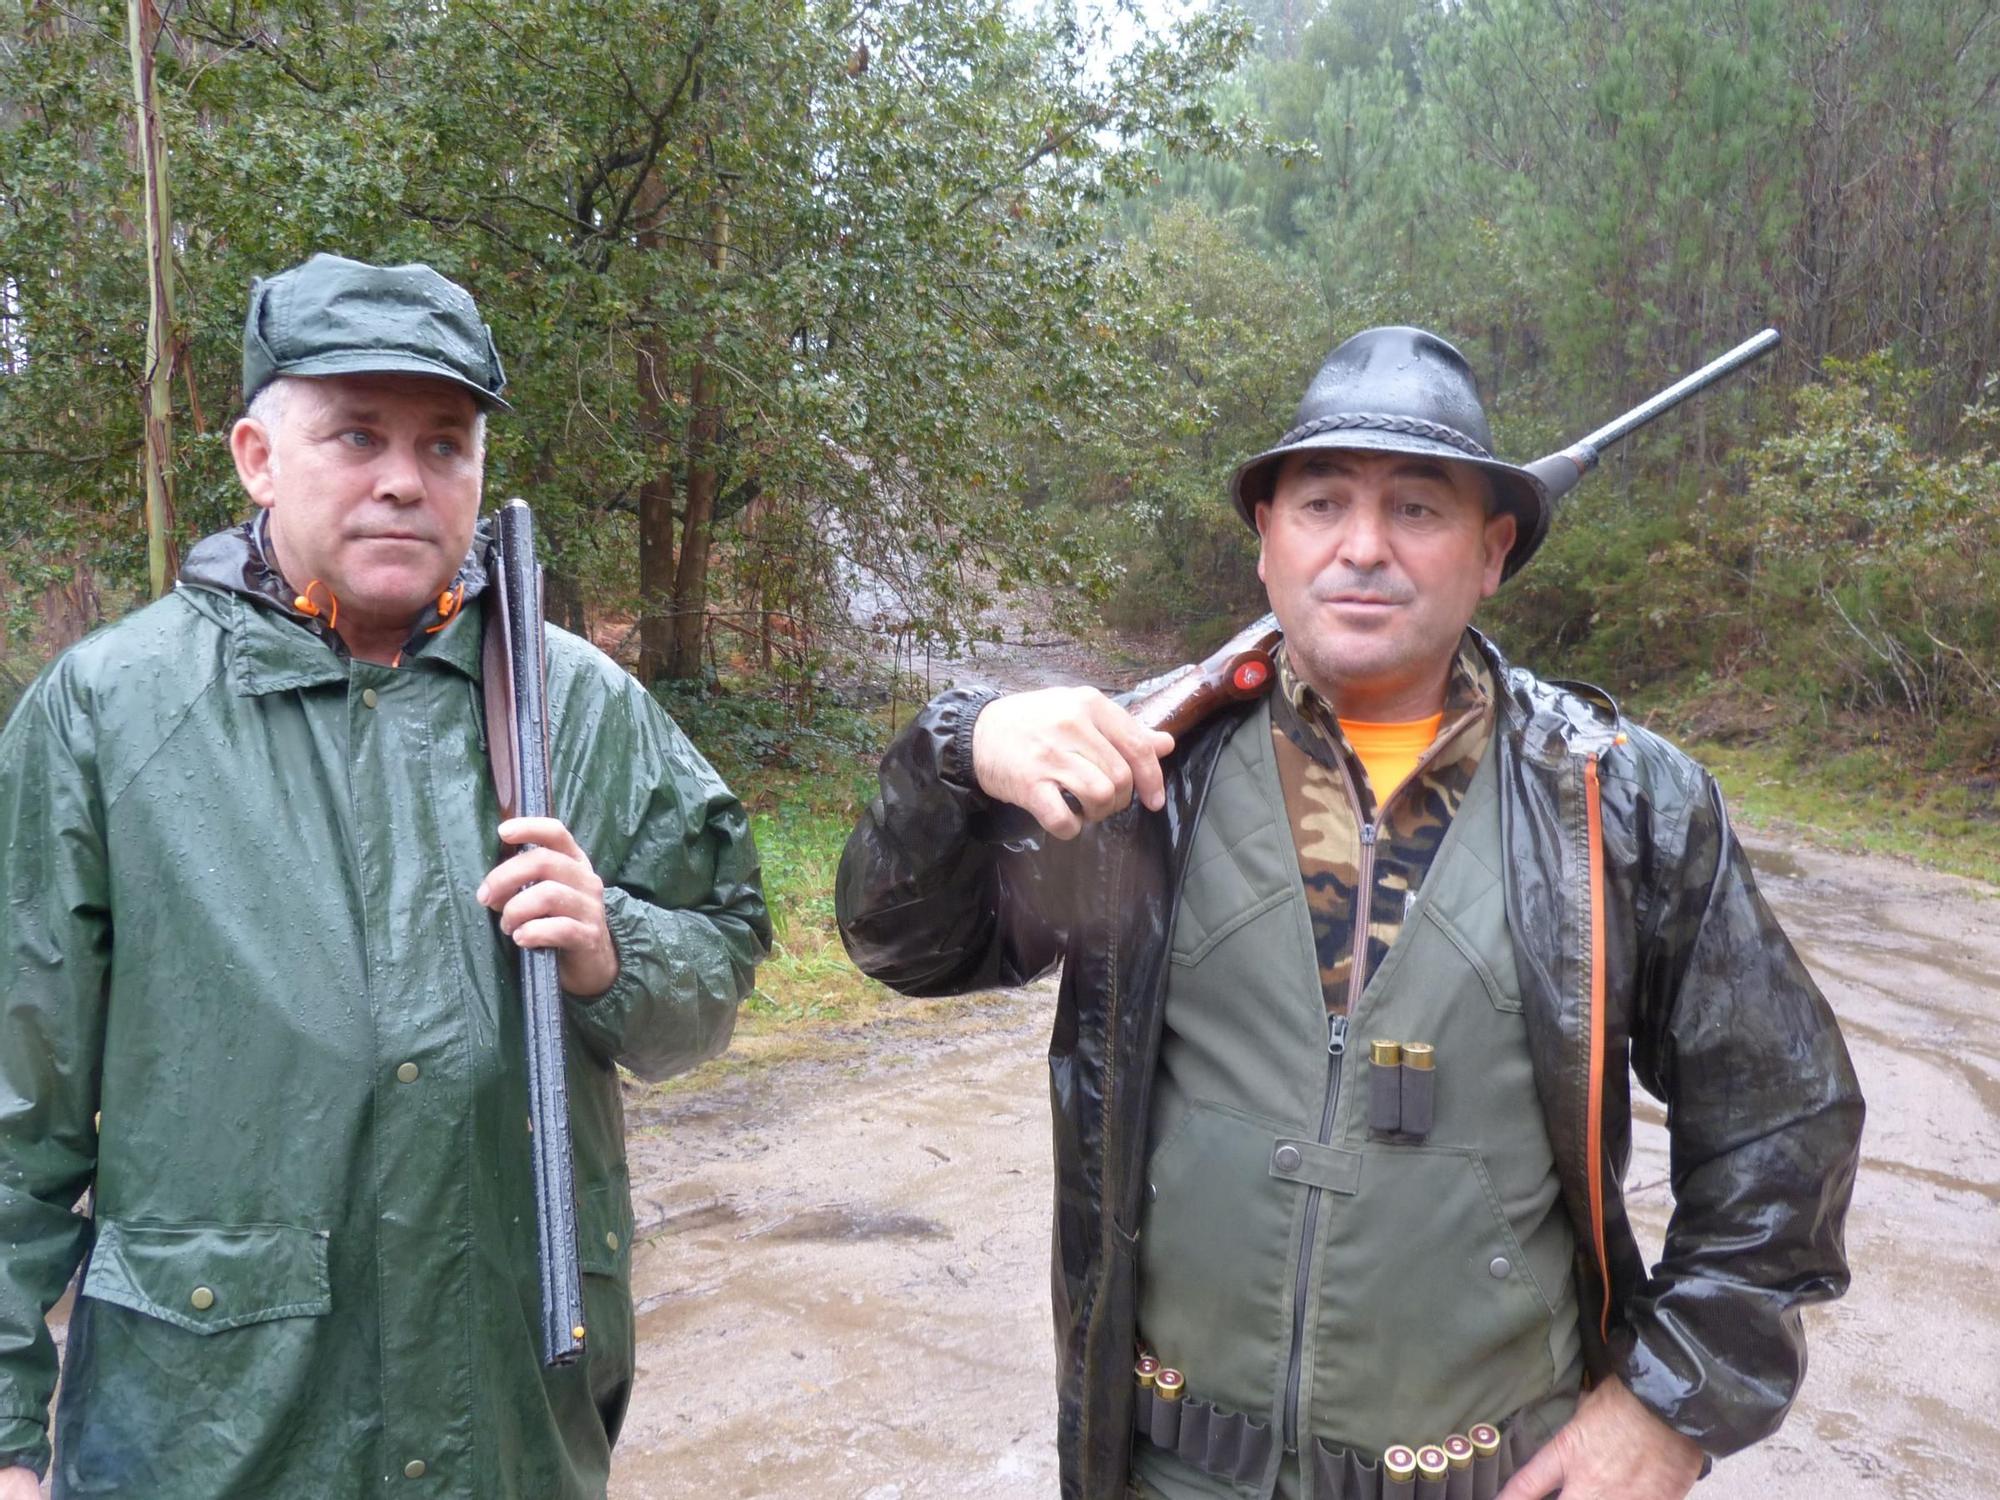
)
(201, 1299)
(368, 698)
(1501, 1267)
(1288, 1158)
(416, 1468)
(407, 1073)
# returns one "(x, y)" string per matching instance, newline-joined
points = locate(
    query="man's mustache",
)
(1341, 588)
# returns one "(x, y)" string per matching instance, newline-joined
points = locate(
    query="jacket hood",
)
(241, 562)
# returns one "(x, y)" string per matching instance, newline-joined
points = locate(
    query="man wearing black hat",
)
(1352, 977)
(251, 993)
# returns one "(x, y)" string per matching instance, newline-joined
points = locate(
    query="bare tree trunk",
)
(656, 495)
(162, 339)
(704, 428)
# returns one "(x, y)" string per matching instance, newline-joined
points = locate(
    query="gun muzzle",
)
(1485, 1440)
(1399, 1473)
(1560, 471)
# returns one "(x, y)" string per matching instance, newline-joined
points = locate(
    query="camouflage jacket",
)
(1643, 947)
(1328, 796)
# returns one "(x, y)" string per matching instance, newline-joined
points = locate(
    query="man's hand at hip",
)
(1612, 1449)
(19, 1484)
(1030, 748)
(548, 896)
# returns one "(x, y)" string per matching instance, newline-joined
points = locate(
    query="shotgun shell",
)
(1458, 1476)
(1145, 1398)
(1399, 1473)
(1432, 1467)
(1419, 1072)
(1485, 1439)
(1385, 1087)
(1166, 1426)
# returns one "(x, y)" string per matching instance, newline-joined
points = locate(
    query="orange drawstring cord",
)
(448, 605)
(304, 604)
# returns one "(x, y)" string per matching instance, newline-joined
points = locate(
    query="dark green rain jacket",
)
(237, 918)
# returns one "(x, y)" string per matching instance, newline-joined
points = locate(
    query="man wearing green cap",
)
(251, 993)
(1351, 978)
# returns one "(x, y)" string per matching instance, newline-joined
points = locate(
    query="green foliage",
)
(912, 194)
(1228, 339)
(748, 730)
(1591, 201)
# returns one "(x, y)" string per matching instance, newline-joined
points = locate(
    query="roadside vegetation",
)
(803, 786)
(829, 321)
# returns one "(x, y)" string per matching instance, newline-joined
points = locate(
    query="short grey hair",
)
(268, 406)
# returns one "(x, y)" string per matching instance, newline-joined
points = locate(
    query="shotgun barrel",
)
(1559, 472)
(519, 594)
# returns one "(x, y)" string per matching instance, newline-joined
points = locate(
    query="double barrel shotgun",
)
(517, 740)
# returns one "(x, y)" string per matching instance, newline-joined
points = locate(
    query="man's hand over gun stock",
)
(1030, 749)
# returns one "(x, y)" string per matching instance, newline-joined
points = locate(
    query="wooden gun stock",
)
(1241, 669)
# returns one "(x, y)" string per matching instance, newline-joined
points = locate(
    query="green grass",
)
(1861, 799)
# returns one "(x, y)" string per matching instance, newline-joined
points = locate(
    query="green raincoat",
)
(246, 995)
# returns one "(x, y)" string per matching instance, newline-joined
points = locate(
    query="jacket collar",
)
(232, 577)
(1551, 720)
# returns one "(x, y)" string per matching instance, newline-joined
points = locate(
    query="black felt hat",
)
(1401, 390)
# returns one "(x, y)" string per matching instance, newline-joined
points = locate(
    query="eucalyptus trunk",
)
(162, 340)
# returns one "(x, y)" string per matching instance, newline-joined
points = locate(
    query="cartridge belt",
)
(1235, 1447)
(1227, 1444)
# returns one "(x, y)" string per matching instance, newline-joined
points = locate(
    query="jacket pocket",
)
(603, 1254)
(1214, 1256)
(198, 1363)
(208, 1278)
(1428, 1304)
(1501, 983)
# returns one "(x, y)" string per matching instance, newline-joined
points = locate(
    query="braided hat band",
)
(1349, 421)
(1515, 489)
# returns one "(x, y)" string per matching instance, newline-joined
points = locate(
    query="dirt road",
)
(842, 1272)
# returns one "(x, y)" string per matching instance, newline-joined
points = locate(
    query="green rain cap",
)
(333, 316)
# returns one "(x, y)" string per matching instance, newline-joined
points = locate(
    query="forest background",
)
(925, 302)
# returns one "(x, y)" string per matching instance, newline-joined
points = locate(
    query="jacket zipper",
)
(1336, 1047)
(1593, 1134)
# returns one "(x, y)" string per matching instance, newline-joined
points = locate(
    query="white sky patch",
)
(1115, 26)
